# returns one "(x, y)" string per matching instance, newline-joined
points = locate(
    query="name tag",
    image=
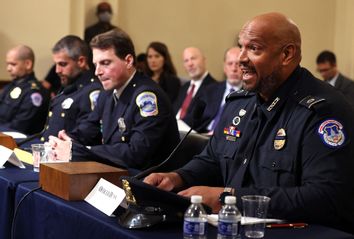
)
(106, 197)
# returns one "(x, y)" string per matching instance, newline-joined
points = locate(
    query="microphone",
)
(197, 115)
(65, 91)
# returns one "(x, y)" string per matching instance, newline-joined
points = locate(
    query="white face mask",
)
(105, 16)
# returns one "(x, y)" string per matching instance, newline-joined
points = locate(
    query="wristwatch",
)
(227, 192)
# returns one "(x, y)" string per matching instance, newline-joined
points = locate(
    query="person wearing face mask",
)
(104, 15)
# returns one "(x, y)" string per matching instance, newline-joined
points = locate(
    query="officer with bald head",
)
(286, 135)
(23, 102)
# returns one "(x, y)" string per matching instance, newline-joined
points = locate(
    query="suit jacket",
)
(182, 94)
(213, 97)
(23, 105)
(346, 86)
(138, 130)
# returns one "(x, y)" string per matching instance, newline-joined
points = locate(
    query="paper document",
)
(15, 135)
(182, 126)
(213, 220)
(9, 155)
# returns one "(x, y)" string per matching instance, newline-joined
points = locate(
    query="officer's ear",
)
(129, 59)
(81, 62)
(288, 54)
(28, 64)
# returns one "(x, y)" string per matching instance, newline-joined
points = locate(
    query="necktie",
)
(187, 102)
(218, 114)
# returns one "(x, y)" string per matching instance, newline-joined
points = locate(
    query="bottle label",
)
(227, 228)
(194, 228)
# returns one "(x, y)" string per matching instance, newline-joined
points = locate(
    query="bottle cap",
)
(230, 200)
(196, 199)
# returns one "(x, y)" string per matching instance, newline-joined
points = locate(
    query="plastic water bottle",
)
(229, 219)
(195, 219)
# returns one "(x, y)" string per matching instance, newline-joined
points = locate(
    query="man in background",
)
(215, 95)
(327, 67)
(104, 15)
(195, 64)
(23, 102)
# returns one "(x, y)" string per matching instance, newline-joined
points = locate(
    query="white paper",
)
(213, 220)
(9, 155)
(15, 135)
(105, 196)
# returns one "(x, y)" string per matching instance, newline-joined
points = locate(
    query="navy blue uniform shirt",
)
(297, 148)
(72, 105)
(24, 104)
(138, 129)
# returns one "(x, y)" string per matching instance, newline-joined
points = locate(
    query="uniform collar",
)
(24, 78)
(85, 78)
(282, 94)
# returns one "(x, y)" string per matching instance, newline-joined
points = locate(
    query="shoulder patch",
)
(239, 94)
(36, 99)
(93, 96)
(310, 101)
(147, 103)
(332, 133)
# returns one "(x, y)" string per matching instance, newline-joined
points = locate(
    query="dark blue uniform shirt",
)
(23, 105)
(297, 148)
(72, 105)
(138, 129)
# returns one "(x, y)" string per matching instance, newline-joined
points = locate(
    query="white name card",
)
(9, 155)
(105, 196)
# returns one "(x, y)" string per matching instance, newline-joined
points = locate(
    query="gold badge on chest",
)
(280, 139)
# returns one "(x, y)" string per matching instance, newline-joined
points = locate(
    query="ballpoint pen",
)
(287, 225)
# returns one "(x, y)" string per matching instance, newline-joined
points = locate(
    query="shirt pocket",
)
(278, 168)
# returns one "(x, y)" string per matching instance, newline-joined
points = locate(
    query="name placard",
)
(105, 196)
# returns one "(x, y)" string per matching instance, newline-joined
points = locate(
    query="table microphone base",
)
(134, 220)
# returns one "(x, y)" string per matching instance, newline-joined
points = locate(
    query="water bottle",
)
(195, 219)
(229, 219)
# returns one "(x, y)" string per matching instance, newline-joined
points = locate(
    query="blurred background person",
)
(327, 67)
(161, 69)
(52, 81)
(141, 64)
(215, 95)
(104, 15)
(194, 62)
(23, 102)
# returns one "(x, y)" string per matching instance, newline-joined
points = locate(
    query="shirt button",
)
(274, 164)
(245, 161)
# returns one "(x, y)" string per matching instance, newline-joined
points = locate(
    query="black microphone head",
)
(198, 111)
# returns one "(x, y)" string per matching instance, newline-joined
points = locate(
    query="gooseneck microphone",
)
(65, 91)
(197, 116)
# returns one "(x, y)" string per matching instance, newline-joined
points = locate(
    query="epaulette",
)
(239, 94)
(309, 101)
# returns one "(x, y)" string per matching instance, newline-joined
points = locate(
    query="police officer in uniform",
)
(287, 136)
(23, 102)
(80, 88)
(133, 114)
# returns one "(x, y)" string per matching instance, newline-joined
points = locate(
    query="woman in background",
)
(161, 69)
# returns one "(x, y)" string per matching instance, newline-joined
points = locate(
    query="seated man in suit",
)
(327, 67)
(195, 64)
(215, 95)
(23, 102)
(133, 115)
